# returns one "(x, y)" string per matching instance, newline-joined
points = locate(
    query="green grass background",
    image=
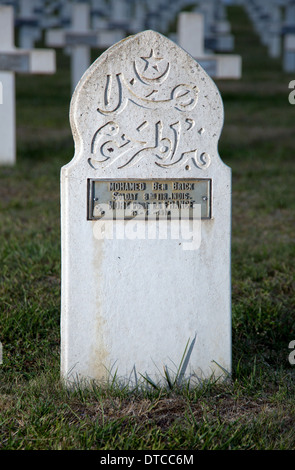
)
(256, 408)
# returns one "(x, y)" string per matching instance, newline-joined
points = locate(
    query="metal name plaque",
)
(169, 198)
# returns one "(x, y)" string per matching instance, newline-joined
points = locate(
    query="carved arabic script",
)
(131, 133)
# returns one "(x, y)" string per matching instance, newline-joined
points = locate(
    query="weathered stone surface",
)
(132, 297)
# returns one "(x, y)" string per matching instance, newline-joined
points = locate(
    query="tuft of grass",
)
(171, 379)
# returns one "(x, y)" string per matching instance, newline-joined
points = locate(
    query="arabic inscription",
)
(148, 96)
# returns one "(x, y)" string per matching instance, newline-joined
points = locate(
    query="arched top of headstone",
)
(146, 108)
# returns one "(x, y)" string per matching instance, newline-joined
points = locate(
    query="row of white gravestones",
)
(190, 36)
(125, 15)
(82, 35)
(217, 29)
(145, 221)
(27, 24)
(274, 22)
(14, 60)
(266, 18)
(33, 16)
(81, 38)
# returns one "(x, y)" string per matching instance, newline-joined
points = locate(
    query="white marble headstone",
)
(145, 290)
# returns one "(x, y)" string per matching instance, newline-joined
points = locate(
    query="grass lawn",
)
(256, 408)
